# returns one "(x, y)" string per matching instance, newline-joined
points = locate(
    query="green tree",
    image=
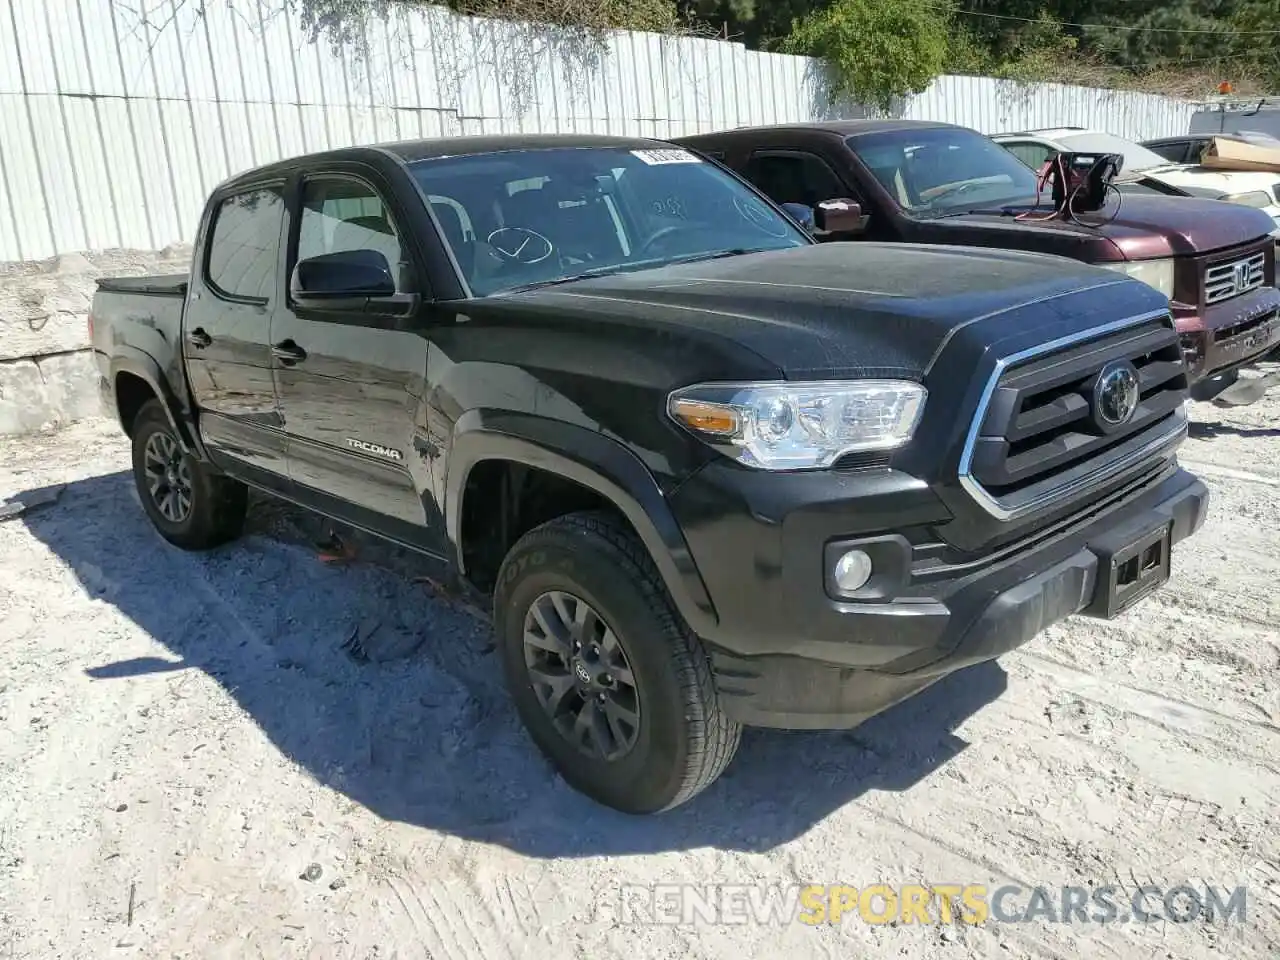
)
(760, 24)
(1251, 47)
(339, 19)
(877, 50)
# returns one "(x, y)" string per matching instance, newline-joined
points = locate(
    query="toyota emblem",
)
(1116, 394)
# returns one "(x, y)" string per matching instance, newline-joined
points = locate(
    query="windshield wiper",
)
(994, 210)
(634, 266)
(584, 275)
(718, 255)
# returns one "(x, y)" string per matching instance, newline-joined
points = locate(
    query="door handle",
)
(199, 339)
(288, 352)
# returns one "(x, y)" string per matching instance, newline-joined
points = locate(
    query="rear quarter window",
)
(244, 245)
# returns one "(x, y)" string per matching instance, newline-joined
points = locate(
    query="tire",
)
(680, 740)
(216, 504)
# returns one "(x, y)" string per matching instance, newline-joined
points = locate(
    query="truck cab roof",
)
(411, 151)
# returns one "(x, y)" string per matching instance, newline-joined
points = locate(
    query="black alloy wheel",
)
(581, 675)
(168, 477)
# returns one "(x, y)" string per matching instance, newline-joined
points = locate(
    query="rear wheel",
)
(611, 684)
(192, 506)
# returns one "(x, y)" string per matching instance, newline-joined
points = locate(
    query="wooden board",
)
(1224, 154)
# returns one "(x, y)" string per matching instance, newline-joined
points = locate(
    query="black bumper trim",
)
(827, 684)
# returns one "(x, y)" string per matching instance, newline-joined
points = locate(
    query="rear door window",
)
(244, 245)
(1032, 154)
(1176, 151)
(794, 177)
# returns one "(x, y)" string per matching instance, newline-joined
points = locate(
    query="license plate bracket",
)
(1131, 572)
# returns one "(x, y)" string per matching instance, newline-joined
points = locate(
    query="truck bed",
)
(165, 285)
(140, 316)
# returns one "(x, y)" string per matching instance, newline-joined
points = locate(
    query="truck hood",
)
(852, 309)
(1228, 181)
(1143, 228)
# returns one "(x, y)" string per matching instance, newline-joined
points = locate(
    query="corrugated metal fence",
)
(117, 116)
(999, 107)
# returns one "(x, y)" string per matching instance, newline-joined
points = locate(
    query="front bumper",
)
(837, 663)
(1229, 335)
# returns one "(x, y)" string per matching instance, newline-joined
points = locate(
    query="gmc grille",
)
(1222, 281)
(1040, 432)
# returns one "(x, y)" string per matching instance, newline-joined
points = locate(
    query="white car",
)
(1146, 168)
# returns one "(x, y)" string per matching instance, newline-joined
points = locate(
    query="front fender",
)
(131, 360)
(592, 460)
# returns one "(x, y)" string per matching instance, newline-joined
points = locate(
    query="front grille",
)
(1223, 334)
(1042, 433)
(1228, 279)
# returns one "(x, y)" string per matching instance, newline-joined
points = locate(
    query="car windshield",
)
(524, 218)
(1136, 156)
(946, 170)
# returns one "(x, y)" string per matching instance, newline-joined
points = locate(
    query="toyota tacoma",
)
(707, 471)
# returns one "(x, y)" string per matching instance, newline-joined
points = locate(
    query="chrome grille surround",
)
(1166, 428)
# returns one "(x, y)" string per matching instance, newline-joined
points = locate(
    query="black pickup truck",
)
(920, 182)
(707, 471)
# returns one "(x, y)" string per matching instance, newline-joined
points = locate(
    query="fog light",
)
(852, 571)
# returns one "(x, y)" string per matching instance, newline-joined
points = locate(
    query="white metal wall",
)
(994, 106)
(117, 116)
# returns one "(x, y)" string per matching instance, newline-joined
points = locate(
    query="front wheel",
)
(611, 684)
(191, 506)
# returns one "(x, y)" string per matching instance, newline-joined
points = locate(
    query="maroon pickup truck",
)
(934, 183)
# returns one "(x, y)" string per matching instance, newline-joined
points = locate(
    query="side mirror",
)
(802, 214)
(344, 275)
(839, 216)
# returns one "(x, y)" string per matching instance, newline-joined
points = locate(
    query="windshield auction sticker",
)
(657, 157)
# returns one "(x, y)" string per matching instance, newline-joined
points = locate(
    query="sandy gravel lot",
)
(192, 763)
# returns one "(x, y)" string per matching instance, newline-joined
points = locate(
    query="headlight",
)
(799, 426)
(1254, 198)
(1155, 273)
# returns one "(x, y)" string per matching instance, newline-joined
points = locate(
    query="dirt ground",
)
(195, 762)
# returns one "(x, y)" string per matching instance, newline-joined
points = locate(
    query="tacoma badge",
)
(376, 449)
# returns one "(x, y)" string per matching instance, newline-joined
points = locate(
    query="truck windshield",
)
(524, 218)
(934, 172)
